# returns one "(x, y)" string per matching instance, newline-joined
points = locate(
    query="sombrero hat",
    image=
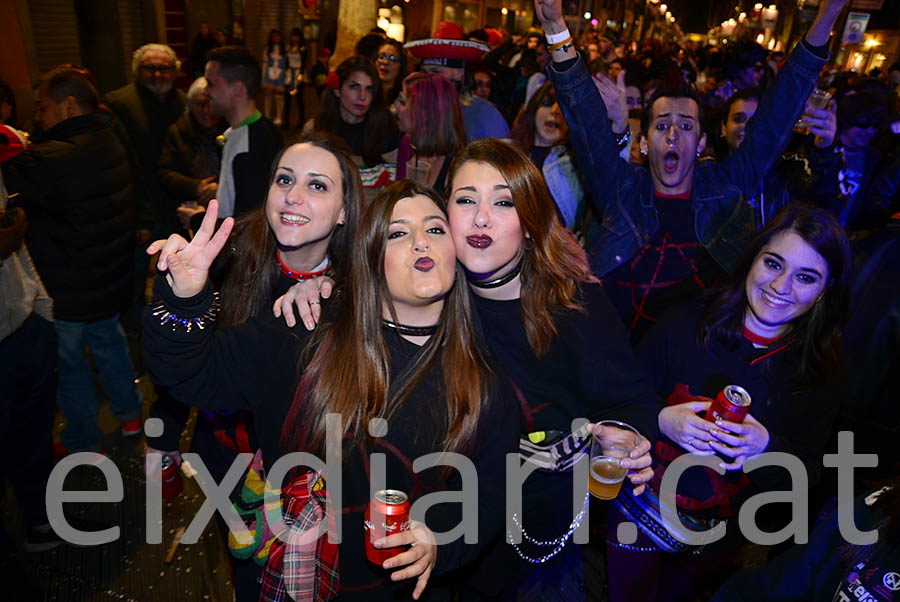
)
(447, 47)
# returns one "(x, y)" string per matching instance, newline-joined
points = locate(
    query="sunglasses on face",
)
(388, 57)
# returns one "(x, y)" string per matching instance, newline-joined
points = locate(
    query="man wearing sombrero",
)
(446, 54)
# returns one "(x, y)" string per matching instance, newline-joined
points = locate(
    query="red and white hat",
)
(447, 47)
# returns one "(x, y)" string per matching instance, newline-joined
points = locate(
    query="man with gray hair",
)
(146, 108)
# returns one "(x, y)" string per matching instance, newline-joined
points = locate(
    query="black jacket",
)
(189, 154)
(146, 121)
(75, 185)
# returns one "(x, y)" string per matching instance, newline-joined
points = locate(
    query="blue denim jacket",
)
(623, 192)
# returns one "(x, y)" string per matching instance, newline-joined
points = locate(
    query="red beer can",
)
(171, 480)
(731, 404)
(386, 514)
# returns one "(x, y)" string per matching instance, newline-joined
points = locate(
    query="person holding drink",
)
(396, 344)
(552, 329)
(770, 339)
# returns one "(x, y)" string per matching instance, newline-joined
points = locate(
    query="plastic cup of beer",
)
(609, 447)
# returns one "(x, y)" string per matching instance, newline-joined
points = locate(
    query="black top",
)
(255, 365)
(799, 423)
(588, 372)
(354, 134)
(672, 268)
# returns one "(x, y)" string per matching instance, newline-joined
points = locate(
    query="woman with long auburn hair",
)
(396, 345)
(551, 327)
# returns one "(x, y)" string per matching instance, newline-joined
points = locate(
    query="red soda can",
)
(731, 404)
(386, 514)
(171, 480)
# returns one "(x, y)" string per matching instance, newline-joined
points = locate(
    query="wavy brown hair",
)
(554, 265)
(251, 267)
(349, 374)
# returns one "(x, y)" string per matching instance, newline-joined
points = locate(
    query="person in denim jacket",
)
(717, 192)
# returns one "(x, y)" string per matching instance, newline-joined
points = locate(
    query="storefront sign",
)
(855, 28)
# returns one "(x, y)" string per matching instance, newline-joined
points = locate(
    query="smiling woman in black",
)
(405, 353)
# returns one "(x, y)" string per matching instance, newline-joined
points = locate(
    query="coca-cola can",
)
(731, 404)
(171, 480)
(386, 514)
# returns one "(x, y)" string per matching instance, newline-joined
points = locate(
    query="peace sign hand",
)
(188, 262)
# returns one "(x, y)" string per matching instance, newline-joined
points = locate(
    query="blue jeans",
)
(75, 394)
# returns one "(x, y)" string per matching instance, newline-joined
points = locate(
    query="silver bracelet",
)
(165, 316)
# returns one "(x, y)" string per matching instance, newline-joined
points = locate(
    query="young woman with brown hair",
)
(551, 327)
(406, 354)
(354, 110)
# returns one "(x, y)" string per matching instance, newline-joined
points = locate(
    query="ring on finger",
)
(314, 303)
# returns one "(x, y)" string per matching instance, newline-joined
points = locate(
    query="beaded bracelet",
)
(159, 310)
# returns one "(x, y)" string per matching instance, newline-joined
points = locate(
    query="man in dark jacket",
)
(191, 157)
(75, 184)
(146, 109)
(693, 216)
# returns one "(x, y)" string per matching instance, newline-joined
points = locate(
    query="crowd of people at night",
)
(495, 249)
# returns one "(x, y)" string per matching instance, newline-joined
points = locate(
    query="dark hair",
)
(7, 96)
(860, 105)
(65, 81)
(745, 94)
(391, 94)
(817, 333)
(296, 32)
(271, 45)
(742, 55)
(236, 64)
(554, 265)
(368, 45)
(679, 90)
(348, 373)
(523, 130)
(378, 123)
(252, 269)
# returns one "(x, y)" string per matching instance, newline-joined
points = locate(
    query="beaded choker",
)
(300, 275)
(497, 281)
(411, 331)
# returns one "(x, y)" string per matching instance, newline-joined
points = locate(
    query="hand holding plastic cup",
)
(609, 446)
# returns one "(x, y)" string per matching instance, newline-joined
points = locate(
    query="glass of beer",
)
(608, 448)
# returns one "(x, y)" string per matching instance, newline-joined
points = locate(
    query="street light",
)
(587, 16)
(504, 11)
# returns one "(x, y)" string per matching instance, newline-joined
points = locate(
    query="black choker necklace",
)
(497, 281)
(410, 331)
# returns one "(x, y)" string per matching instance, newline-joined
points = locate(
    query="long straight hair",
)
(438, 129)
(817, 333)
(349, 374)
(554, 265)
(377, 124)
(251, 265)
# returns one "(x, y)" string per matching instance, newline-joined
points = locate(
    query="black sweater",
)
(588, 372)
(255, 365)
(799, 423)
(76, 188)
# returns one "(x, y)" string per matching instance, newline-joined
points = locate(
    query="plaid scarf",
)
(301, 566)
